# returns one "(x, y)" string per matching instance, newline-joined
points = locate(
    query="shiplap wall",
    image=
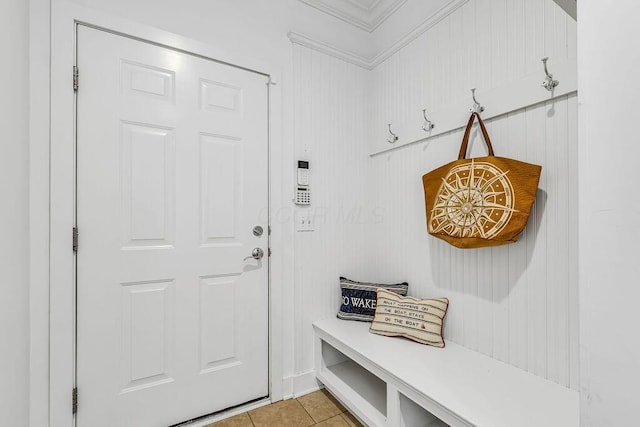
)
(484, 44)
(517, 303)
(330, 131)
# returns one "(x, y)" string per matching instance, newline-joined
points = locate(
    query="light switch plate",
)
(304, 221)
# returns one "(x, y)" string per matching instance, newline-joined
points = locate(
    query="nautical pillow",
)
(359, 298)
(420, 320)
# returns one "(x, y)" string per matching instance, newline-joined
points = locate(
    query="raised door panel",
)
(148, 185)
(220, 182)
(148, 327)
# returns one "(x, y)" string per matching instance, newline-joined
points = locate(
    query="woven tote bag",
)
(478, 202)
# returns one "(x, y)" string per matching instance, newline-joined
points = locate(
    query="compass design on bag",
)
(475, 199)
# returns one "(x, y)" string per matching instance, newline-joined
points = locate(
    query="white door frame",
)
(59, 218)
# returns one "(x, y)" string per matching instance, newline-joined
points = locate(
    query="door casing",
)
(58, 325)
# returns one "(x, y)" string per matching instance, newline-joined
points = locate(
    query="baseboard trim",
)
(300, 384)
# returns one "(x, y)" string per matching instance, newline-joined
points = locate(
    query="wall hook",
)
(392, 136)
(549, 83)
(428, 124)
(477, 108)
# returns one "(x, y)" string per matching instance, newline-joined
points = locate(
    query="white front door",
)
(172, 310)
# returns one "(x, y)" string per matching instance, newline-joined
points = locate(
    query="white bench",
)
(393, 382)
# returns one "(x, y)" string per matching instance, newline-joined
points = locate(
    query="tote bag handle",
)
(467, 132)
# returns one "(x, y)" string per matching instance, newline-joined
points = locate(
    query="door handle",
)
(257, 253)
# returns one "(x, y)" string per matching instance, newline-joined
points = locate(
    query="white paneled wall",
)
(485, 44)
(517, 303)
(330, 131)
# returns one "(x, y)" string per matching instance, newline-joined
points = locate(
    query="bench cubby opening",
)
(414, 415)
(361, 381)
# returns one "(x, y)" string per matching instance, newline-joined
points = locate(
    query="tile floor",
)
(315, 409)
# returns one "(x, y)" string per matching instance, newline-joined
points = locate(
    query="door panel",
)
(172, 178)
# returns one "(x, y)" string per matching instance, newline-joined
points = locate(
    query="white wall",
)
(609, 61)
(14, 214)
(330, 128)
(39, 57)
(517, 303)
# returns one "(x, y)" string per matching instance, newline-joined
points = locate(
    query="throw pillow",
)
(420, 320)
(359, 298)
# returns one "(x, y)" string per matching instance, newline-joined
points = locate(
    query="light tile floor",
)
(314, 409)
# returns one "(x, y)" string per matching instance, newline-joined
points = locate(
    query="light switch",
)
(304, 220)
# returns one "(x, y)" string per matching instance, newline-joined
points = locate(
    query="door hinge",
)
(269, 251)
(74, 404)
(75, 78)
(75, 239)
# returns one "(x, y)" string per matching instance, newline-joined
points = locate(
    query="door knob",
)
(257, 253)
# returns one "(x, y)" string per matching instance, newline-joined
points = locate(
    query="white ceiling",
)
(365, 14)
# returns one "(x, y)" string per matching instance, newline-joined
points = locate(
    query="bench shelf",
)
(393, 382)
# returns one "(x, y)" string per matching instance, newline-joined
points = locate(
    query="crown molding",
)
(355, 13)
(364, 7)
(371, 63)
(328, 49)
(430, 22)
(569, 6)
(390, 10)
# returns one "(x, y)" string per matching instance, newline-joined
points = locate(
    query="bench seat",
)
(394, 382)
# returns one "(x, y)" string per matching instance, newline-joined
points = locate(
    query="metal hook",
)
(477, 108)
(428, 124)
(392, 136)
(549, 83)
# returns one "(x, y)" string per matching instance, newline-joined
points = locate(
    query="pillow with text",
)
(420, 320)
(359, 298)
